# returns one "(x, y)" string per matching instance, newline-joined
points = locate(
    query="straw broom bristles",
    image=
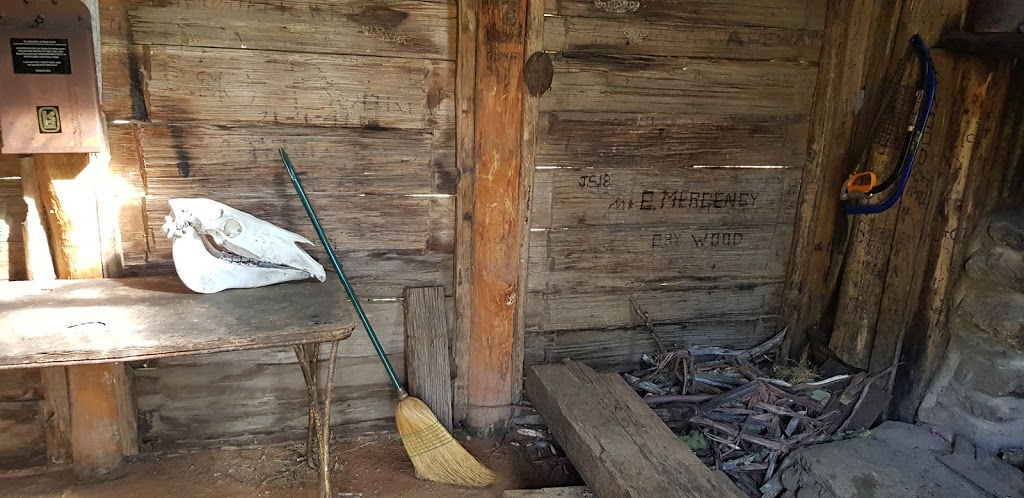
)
(435, 454)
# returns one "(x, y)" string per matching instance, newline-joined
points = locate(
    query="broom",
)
(435, 454)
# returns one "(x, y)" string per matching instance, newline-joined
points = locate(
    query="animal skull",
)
(217, 247)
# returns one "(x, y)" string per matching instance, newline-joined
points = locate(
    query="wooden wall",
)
(670, 150)
(874, 290)
(360, 94)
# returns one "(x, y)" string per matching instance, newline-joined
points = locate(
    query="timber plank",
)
(227, 395)
(868, 263)
(375, 273)
(20, 385)
(619, 141)
(618, 445)
(21, 423)
(694, 302)
(670, 85)
(130, 319)
(606, 196)
(222, 86)
(837, 97)
(122, 95)
(661, 256)
(404, 28)
(427, 355)
(801, 14)
(341, 161)
(367, 223)
(602, 36)
(565, 492)
(934, 183)
(465, 201)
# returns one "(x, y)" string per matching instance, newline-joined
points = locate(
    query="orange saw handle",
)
(860, 184)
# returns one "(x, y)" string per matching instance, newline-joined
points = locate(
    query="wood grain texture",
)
(868, 255)
(228, 395)
(497, 216)
(381, 28)
(811, 283)
(657, 37)
(21, 425)
(221, 86)
(668, 141)
(670, 85)
(993, 161)
(618, 445)
(683, 303)
(232, 394)
(342, 161)
(20, 385)
(532, 93)
(799, 14)
(621, 349)
(66, 191)
(57, 406)
(427, 353)
(565, 492)
(131, 319)
(606, 196)
(921, 201)
(465, 97)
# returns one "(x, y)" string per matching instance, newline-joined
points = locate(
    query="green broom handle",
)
(341, 274)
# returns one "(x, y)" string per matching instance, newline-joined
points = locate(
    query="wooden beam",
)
(842, 68)
(565, 492)
(537, 73)
(427, 357)
(497, 212)
(465, 96)
(39, 262)
(67, 190)
(617, 444)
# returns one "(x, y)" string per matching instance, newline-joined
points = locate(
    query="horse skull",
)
(217, 247)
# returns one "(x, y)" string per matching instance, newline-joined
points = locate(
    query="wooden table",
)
(69, 322)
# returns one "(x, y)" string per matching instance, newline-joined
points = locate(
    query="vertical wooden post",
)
(39, 262)
(67, 188)
(497, 212)
(465, 86)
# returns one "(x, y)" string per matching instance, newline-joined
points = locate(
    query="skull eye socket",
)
(232, 227)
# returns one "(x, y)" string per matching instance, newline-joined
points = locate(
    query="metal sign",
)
(50, 97)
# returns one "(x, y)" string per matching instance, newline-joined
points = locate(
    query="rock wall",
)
(979, 390)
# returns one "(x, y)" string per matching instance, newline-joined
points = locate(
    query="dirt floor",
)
(367, 466)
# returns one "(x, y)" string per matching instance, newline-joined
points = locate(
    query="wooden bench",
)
(70, 322)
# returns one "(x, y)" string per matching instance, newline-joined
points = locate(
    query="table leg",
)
(319, 410)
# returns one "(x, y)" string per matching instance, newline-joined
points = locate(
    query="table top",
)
(66, 322)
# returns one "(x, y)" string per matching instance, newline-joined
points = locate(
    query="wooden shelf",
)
(998, 45)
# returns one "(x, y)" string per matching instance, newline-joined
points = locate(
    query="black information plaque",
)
(40, 56)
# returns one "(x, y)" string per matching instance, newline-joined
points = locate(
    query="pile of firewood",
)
(742, 411)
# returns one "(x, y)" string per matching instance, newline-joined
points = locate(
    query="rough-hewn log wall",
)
(669, 156)
(874, 289)
(361, 94)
